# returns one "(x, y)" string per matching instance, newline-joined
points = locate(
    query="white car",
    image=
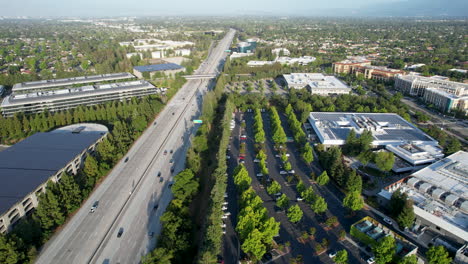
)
(227, 213)
(223, 225)
(388, 221)
(224, 208)
(370, 260)
(332, 254)
(94, 207)
(224, 217)
(283, 172)
(259, 175)
(225, 203)
(256, 160)
(299, 199)
(292, 171)
(225, 195)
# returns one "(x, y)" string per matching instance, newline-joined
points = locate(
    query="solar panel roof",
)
(158, 67)
(29, 163)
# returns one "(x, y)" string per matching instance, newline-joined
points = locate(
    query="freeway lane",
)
(127, 196)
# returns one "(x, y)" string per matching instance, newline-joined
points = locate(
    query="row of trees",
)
(279, 136)
(300, 137)
(256, 230)
(63, 198)
(174, 242)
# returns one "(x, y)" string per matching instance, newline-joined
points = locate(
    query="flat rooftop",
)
(314, 80)
(158, 67)
(333, 128)
(31, 162)
(44, 84)
(57, 94)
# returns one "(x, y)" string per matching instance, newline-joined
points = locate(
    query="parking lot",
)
(288, 232)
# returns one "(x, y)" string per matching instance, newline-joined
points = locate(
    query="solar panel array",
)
(158, 67)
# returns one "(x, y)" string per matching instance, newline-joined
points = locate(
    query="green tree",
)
(300, 187)
(319, 205)
(287, 166)
(158, 256)
(241, 178)
(8, 251)
(253, 245)
(384, 250)
(282, 201)
(323, 178)
(274, 187)
(409, 260)
(354, 182)
(353, 201)
(69, 194)
(341, 257)
(294, 214)
(270, 229)
(307, 153)
(453, 146)
(185, 185)
(406, 217)
(384, 160)
(48, 212)
(438, 255)
(308, 195)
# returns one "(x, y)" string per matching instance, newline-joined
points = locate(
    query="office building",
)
(362, 66)
(316, 83)
(164, 68)
(332, 128)
(26, 87)
(439, 92)
(27, 166)
(62, 99)
(440, 196)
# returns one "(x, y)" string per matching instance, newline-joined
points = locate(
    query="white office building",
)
(316, 83)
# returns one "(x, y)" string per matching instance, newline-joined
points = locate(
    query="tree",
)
(453, 146)
(319, 205)
(353, 201)
(341, 257)
(438, 255)
(274, 188)
(323, 178)
(69, 194)
(185, 185)
(158, 256)
(406, 217)
(384, 250)
(270, 229)
(241, 178)
(384, 160)
(300, 187)
(307, 153)
(308, 195)
(253, 245)
(48, 211)
(409, 260)
(354, 182)
(282, 201)
(287, 166)
(294, 214)
(8, 251)
(397, 202)
(91, 170)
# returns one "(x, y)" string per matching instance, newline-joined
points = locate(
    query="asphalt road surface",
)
(128, 195)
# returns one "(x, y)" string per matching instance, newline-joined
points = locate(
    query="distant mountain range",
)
(417, 8)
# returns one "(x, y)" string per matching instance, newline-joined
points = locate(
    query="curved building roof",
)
(31, 162)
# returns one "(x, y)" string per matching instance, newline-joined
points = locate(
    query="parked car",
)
(259, 175)
(332, 254)
(370, 260)
(299, 199)
(283, 172)
(256, 160)
(292, 171)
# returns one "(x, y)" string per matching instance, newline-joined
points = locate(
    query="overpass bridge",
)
(199, 76)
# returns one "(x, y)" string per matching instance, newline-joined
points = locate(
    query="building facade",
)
(49, 155)
(361, 66)
(316, 83)
(62, 99)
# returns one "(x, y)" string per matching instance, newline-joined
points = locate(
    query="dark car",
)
(172, 113)
(161, 179)
(165, 152)
(155, 207)
(171, 151)
(121, 230)
(126, 159)
(171, 161)
(172, 170)
(159, 174)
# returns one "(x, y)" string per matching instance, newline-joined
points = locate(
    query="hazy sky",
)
(174, 7)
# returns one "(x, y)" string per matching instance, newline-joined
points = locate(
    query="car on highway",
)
(126, 159)
(159, 174)
(388, 221)
(94, 207)
(155, 123)
(172, 113)
(161, 179)
(172, 169)
(170, 184)
(165, 152)
(171, 161)
(155, 207)
(172, 151)
(121, 230)
(151, 234)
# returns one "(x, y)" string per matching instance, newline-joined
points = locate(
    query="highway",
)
(128, 195)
